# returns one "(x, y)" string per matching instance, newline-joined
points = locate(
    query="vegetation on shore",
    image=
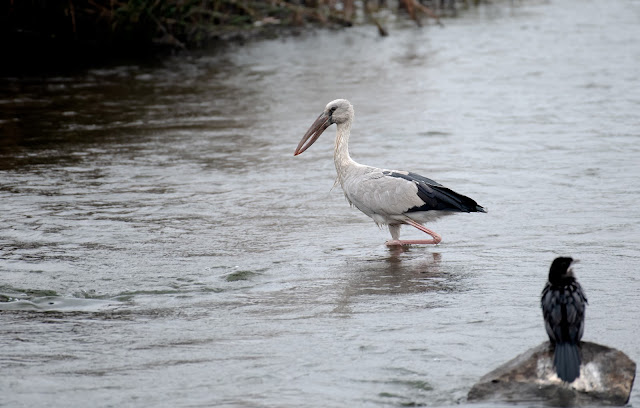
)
(43, 35)
(192, 23)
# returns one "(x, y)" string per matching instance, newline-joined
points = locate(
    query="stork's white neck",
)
(341, 156)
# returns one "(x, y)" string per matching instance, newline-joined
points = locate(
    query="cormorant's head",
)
(561, 269)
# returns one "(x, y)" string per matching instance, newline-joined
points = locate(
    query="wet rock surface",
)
(606, 377)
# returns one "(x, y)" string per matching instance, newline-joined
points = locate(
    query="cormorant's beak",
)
(573, 263)
(314, 132)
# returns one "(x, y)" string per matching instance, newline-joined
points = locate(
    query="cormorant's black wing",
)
(563, 309)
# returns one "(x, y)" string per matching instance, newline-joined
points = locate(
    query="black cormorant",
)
(563, 306)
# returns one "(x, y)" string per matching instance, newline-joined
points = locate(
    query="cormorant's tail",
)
(566, 359)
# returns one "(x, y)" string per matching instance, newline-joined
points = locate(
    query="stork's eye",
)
(333, 109)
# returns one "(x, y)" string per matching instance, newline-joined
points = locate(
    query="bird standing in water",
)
(563, 306)
(389, 197)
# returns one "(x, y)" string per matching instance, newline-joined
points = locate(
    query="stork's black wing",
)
(436, 196)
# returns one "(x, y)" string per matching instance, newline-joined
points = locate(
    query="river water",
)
(161, 245)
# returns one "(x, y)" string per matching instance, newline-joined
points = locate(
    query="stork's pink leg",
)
(436, 237)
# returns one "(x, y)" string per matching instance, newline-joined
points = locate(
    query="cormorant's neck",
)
(562, 280)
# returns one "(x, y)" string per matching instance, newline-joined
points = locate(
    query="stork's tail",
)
(566, 359)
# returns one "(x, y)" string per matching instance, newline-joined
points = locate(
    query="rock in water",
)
(606, 378)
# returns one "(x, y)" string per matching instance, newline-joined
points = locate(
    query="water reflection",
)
(395, 275)
(47, 121)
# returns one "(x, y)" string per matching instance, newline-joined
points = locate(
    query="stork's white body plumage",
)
(389, 197)
(384, 198)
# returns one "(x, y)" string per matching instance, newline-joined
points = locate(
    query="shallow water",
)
(161, 246)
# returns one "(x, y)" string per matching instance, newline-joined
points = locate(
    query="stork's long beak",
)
(314, 132)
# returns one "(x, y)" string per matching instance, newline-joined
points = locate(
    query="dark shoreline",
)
(62, 36)
(29, 56)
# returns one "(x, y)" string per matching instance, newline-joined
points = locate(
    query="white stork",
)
(390, 197)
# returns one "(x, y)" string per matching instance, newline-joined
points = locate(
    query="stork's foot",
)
(398, 242)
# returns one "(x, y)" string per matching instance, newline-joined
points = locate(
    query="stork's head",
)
(338, 111)
(561, 269)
